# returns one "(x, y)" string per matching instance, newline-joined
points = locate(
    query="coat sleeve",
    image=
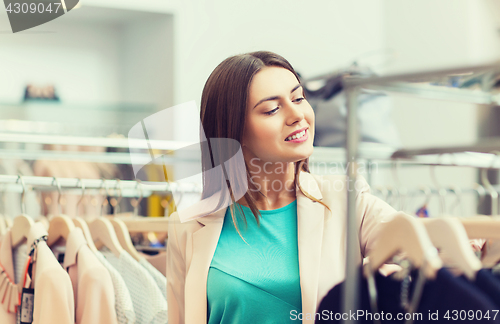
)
(176, 273)
(371, 211)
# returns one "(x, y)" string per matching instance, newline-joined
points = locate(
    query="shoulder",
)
(178, 230)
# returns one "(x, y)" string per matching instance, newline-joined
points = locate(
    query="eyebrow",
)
(276, 97)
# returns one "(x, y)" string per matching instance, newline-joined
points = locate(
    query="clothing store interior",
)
(100, 121)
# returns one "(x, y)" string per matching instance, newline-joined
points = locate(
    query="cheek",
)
(261, 133)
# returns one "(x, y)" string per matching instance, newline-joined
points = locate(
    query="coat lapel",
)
(310, 220)
(205, 242)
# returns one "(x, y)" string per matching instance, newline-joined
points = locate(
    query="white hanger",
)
(487, 185)
(61, 225)
(3, 226)
(449, 236)
(404, 233)
(485, 227)
(22, 223)
(121, 230)
(140, 224)
(102, 232)
(80, 223)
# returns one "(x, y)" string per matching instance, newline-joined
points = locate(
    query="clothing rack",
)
(402, 83)
(123, 188)
(383, 155)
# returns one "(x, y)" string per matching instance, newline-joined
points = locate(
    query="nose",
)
(294, 114)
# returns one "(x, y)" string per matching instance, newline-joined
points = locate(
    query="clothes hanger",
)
(458, 201)
(404, 233)
(3, 226)
(449, 236)
(80, 223)
(487, 185)
(121, 229)
(6, 220)
(60, 225)
(401, 191)
(22, 223)
(441, 191)
(423, 209)
(485, 227)
(102, 231)
(140, 224)
(9, 222)
(481, 192)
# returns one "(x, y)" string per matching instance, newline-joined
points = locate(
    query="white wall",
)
(315, 36)
(79, 59)
(435, 35)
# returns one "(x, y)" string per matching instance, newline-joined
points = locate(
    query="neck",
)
(272, 183)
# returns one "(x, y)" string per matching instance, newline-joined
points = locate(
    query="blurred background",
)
(100, 69)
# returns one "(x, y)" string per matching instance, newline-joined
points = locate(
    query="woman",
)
(273, 255)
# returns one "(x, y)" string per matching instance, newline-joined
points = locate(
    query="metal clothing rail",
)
(468, 156)
(124, 188)
(394, 83)
(93, 141)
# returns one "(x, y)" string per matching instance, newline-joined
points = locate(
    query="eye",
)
(271, 112)
(299, 100)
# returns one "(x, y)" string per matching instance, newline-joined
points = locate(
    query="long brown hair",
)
(223, 112)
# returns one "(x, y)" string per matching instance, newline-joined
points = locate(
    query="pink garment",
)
(8, 288)
(92, 285)
(54, 302)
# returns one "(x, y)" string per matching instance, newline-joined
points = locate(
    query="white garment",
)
(149, 303)
(123, 302)
(158, 277)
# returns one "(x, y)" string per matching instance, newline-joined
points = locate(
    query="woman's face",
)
(279, 123)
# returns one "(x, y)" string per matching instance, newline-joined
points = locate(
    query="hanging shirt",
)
(54, 300)
(123, 302)
(149, 304)
(256, 282)
(158, 277)
(446, 295)
(489, 284)
(91, 282)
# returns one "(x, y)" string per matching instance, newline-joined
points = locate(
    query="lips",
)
(296, 134)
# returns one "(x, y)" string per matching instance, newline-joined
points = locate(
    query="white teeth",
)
(295, 136)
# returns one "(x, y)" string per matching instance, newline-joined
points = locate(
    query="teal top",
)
(256, 282)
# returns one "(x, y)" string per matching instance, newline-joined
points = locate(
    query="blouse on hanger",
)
(54, 301)
(149, 304)
(123, 302)
(157, 276)
(91, 282)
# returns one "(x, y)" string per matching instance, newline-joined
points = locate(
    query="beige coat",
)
(321, 238)
(92, 286)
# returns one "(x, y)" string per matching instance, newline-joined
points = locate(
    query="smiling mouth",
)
(296, 136)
